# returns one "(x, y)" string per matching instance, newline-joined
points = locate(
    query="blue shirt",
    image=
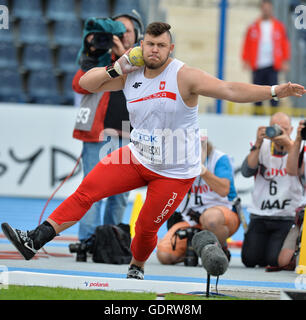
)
(224, 169)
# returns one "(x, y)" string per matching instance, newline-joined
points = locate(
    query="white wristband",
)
(273, 93)
(117, 67)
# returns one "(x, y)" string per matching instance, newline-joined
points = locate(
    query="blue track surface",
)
(24, 213)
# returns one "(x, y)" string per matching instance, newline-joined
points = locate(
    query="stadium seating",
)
(44, 36)
(7, 35)
(11, 89)
(27, 9)
(33, 30)
(43, 88)
(94, 8)
(67, 33)
(122, 6)
(61, 10)
(37, 57)
(67, 58)
(8, 55)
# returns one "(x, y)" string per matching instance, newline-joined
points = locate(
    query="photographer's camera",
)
(81, 249)
(191, 258)
(274, 131)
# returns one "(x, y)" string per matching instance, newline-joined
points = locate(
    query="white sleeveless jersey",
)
(275, 193)
(202, 196)
(165, 136)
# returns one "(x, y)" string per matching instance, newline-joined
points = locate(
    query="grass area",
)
(45, 293)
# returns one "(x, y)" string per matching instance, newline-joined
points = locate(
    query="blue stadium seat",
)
(94, 8)
(43, 88)
(67, 33)
(7, 35)
(8, 55)
(11, 89)
(27, 9)
(66, 60)
(33, 30)
(123, 6)
(61, 10)
(37, 57)
(68, 93)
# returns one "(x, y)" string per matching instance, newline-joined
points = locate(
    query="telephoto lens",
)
(274, 131)
(191, 258)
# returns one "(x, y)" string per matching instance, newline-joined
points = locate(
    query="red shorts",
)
(108, 178)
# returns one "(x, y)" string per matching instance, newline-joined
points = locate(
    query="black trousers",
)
(266, 76)
(263, 241)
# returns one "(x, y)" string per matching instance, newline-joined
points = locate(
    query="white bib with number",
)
(275, 193)
(166, 134)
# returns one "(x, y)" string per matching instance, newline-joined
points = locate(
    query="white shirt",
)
(201, 197)
(166, 137)
(265, 47)
(275, 192)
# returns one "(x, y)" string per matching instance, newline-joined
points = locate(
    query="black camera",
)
(191, 258)
(103, 30)
(303, 131)
(102, 41)
(274, 131)
(81, 249)
(194, 215)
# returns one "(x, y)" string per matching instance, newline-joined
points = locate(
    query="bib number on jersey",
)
(87, 111)
(149, 146)
(83, 115)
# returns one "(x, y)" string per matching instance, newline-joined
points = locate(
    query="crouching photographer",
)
(276, 193)
(207, 206)
(289, 253)
(99, 122)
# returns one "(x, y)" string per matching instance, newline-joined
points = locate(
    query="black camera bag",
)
(112, 244)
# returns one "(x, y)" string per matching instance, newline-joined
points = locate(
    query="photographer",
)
(275, 196)
(295, 165)
(207, 206)
(288, 255)
(99, 121)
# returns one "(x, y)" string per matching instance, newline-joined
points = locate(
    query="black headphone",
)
(139, 29)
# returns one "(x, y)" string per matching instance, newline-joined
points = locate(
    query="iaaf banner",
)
(37, 150)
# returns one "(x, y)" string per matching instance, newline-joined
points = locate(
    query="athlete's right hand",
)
(123, 64)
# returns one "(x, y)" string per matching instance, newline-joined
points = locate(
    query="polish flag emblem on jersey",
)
(162, 85)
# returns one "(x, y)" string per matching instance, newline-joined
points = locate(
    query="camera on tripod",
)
(81, 249)
(191, 258)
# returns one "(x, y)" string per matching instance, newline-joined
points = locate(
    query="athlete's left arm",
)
(197, 82)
